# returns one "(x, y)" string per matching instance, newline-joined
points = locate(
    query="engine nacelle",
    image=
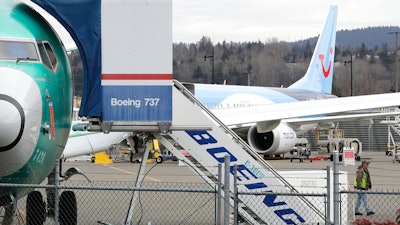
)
(278, 141)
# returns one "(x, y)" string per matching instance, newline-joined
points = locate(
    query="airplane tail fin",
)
(320, 71)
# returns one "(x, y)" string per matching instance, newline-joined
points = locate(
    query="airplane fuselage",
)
(226, 96)
(35, 97)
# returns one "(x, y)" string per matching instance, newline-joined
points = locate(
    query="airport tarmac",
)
(385, 173)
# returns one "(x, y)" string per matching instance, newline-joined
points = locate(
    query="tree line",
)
(279, 64)
(273, 63)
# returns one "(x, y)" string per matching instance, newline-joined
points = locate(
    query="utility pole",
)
(212, 65)
(396, 62)
(351, 73)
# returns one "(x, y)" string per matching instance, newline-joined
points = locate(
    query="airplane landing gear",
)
(36, 209)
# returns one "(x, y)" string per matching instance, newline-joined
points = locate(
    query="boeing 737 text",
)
(134, 102)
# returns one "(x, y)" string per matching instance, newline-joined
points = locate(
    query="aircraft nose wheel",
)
(35, 209)
(68, 208)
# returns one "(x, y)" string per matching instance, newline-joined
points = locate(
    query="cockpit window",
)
(17, 50)
(50, 53)
(47, 54)
(43, 54)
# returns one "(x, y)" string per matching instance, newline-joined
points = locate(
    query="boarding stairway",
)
(207, 148)
(196, 130)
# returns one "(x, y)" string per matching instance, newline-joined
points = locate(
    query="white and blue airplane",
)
(268, 129)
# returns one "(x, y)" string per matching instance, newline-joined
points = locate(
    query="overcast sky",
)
(287, 20)
(262, 20)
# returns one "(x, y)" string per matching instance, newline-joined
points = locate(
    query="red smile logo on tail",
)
(322, 57)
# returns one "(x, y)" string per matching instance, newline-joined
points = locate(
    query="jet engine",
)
(279, 140)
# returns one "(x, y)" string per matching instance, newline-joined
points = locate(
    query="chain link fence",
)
(166, 203)
(385, 205)
(109, 202)
(319, 203)
(105, 200)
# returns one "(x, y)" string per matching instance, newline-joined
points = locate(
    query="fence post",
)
(219, 195)
(235, 197)
(336, 213)
(227, 161)
(328, 196)
(56, 194)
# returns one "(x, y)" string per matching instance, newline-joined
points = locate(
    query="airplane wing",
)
(317, 108)
(92, 143)
(295, 113)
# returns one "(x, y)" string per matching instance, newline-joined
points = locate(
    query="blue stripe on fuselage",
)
(212, 94)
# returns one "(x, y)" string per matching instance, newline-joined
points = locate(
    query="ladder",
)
(212, 141)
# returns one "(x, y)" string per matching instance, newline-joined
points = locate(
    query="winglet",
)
(320, 71)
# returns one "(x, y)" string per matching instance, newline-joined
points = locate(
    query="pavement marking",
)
(132, 173)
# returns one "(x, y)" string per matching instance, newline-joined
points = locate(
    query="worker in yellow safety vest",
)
(362, 182)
